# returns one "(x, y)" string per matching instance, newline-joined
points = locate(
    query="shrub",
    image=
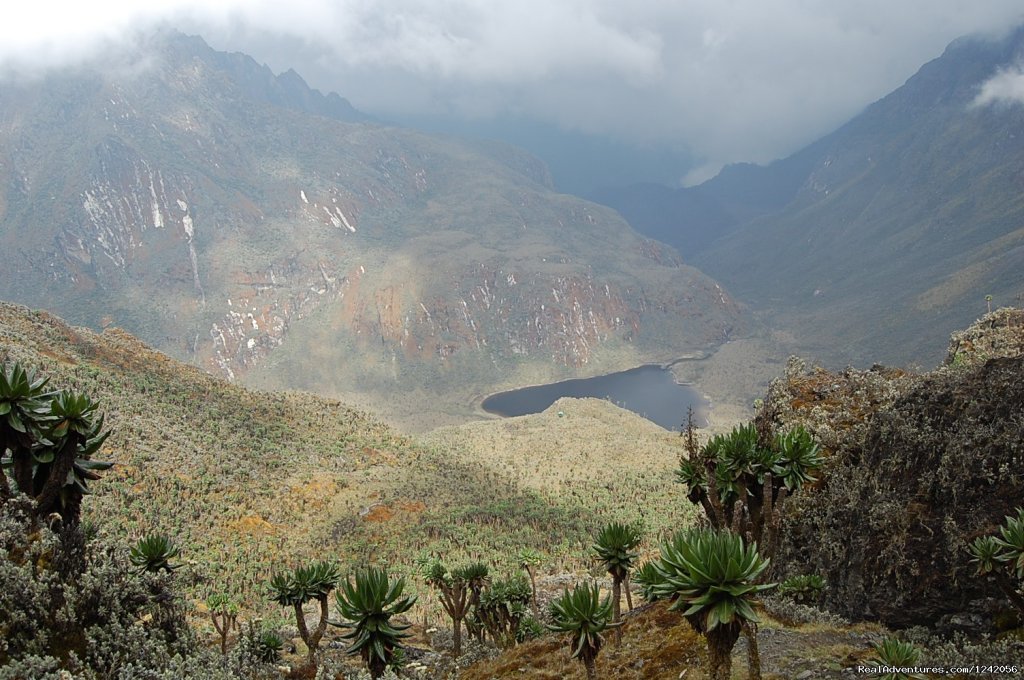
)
(584, 616)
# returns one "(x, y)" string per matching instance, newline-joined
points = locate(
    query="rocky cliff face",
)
(919, 465)
(252, 225)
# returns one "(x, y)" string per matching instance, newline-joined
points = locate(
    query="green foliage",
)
(986, 554)
(1001, 558)
(366, 607)
(528, 557)
(742, 479)
(1011, 543)
(582, 615)
(459, 589)
(305, 583)
(268, 646)
(23, 402)
(616, 548)
(796, 456)
(803, 588)
(52, 437)
(224, 616)
(895, 653)
(530, 629)
(503, 608)
(649, 578)
(692, 475)
(714, 576)
(154, 554)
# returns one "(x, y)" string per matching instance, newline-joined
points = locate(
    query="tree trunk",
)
(720, 644)
(533, 587)
(1006, 585)
(321, 626)
(617, 607)
(376, 666)
(629, 595)
(22, 470)
(300, 623)
(64, 459)
(590, 663)
(753, 654)
(457, 637)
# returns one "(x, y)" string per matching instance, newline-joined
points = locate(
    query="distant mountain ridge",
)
(883, 235)
(270, 233)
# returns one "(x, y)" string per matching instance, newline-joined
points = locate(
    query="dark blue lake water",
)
(650, 391)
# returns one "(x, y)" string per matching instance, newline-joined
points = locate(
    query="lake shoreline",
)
(646, 390)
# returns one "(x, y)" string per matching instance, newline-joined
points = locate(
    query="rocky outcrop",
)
(919, 465)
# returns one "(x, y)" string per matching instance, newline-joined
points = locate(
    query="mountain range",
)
(269, 233)
(886, 234)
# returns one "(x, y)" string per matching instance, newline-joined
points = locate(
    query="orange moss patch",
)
(253, 525)
(379, 513)
(656, 644)
(59, 358)
(383, 512)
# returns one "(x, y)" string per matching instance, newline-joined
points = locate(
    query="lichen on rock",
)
(919, 465)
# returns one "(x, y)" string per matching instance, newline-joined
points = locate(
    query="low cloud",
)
(744, 80)
(1005, 87)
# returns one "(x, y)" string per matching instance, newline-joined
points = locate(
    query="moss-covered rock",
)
(919, 466)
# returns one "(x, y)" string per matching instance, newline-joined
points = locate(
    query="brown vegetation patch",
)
(656, 644)
(379, 513)
(253, 525)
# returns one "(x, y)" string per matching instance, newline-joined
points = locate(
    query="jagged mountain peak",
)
(227, 216)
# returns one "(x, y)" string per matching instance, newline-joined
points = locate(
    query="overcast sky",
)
(728, 80)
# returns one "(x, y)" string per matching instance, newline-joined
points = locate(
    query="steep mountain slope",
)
(690, 219)
(910, 216)
(245, 223)
(248, 482)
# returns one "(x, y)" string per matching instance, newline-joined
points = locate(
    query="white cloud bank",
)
(1005, 87)
(739, 80)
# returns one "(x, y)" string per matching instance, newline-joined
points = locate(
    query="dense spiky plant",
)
(51, 438)
(743, 478)
(503, 608)
(797, 455)
(153, 554)
(616, 548)
(584, 617)
(713, 574)
(529, 560)
(303, 584)
(366, 606)
(224, 613)
(648, 578)
(895, 653)
(1001, 558)
(266, 645)
(24, 403)
(804, 588)
(458, 590)
(63, 457)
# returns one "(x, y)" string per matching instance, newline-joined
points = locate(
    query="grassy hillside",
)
(248, 482)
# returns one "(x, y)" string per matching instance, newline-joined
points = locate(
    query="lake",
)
(650, 391)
